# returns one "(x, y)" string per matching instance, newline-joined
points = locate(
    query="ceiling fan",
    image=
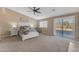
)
(35, 10)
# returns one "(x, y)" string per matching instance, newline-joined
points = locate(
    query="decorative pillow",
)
(24, 29)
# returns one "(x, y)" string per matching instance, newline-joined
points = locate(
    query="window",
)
(43, 24)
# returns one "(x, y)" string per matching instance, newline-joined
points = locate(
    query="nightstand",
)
(13, 32)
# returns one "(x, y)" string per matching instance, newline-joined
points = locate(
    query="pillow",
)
(24, 29)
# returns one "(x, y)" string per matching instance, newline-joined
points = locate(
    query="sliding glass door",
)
(65, 27)
(59, 27)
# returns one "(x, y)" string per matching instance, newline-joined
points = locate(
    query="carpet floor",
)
(42, 43)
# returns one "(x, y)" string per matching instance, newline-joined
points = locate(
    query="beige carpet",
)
(42, 43)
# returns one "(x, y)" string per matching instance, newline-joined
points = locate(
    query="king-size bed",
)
(30, 34)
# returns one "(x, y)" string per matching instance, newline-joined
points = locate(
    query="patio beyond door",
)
(64, 27)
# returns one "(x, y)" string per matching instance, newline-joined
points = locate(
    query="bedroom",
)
(44, 37)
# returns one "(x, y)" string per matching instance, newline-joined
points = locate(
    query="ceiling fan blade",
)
(34, 10)
(38, 9)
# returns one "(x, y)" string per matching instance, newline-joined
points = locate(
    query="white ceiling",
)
(45, 11)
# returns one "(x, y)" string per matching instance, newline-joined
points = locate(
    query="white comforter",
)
(32, 33)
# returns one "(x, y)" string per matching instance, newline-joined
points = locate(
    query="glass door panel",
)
(68, 27)
(64, 27)
(59, 31)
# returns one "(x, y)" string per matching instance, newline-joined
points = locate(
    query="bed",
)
(31, 33)
(27, 31)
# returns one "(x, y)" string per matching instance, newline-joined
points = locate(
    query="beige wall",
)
(77, 27)
(7, 17)
(2, 22)
(49, 30)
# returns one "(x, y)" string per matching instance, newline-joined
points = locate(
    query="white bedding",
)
(29, 35)
(32, 33)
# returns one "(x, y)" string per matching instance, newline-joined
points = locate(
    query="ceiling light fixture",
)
(35, 10)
